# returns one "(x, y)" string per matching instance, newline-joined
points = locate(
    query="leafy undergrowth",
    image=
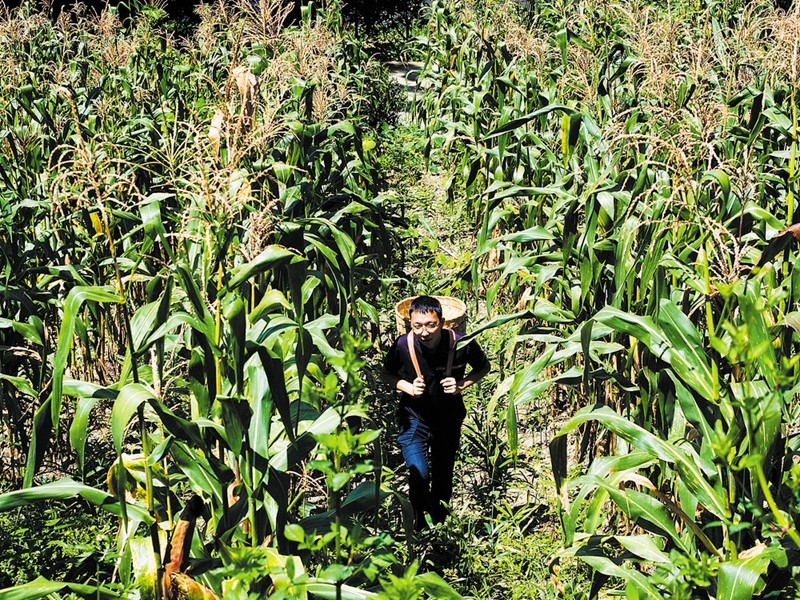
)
(57, 540)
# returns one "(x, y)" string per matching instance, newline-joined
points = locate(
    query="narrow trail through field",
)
(442, 228)
(405, 74)
(502, 503)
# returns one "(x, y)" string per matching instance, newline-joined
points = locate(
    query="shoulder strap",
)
(412, 352)
(451, 353)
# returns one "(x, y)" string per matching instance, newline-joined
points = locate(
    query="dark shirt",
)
(434, 406)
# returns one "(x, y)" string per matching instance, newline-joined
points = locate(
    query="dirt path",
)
(406, 74)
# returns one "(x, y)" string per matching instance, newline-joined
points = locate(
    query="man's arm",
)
(413, 388)
(474, 376)
(451, 386)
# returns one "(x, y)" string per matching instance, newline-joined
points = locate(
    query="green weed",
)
(60, 541)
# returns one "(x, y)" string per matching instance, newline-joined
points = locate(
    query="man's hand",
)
(419, 387)
(449, 385)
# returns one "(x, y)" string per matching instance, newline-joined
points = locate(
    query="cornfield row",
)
(632, 175)
(191, 236)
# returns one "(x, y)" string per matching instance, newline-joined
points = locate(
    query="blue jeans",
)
(430, 454)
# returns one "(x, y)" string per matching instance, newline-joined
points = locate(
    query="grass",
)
(62, 541)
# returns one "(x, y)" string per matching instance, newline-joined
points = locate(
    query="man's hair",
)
(425, 304)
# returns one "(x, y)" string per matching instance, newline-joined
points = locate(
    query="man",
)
(430, 372)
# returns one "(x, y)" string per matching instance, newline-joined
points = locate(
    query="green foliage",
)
(505, 556)
(191, 247)
(730, 469)
(54, 540)
(194, 234)
(388, 26)
(646, 262)
(384, 98)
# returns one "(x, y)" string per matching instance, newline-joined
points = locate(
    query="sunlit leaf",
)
(741, 579)
(687, 464)
(66, 489)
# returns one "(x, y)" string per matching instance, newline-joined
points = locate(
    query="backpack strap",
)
(451, 353)
(412, 352)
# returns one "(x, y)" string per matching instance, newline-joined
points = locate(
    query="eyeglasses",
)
(430, 326)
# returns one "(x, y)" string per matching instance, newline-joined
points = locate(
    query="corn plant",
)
(720, 452)
(189, 251)
(632, 194)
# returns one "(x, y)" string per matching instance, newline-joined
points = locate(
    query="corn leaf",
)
(125, 406)
(524, 120)
(31, 332)
(645, 510)
(67, 489)
(205, 482)
(639, 581)
(79, 428)
(75, 299)
(331, 591)
(686, 462)
(686, 353)
(643, 546)
(271, 257)
(740, 579)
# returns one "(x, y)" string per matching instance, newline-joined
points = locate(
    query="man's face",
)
(427, 327)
